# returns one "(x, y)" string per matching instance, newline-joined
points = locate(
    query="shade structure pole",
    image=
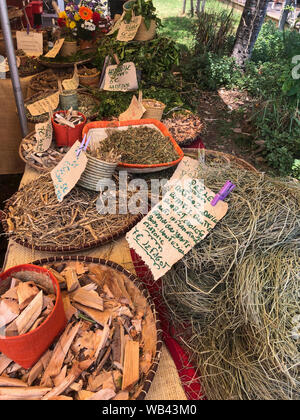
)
(11, 57)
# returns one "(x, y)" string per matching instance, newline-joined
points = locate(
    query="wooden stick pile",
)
(24, 307)
(105, 351)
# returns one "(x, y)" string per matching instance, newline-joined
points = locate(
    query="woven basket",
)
(153, 112)
(89, 80)
(89, 244)
(137, 292)
(144, 34)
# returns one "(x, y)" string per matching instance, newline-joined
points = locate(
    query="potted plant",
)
(150, 21)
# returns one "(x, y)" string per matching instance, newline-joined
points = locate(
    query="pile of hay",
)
(235, 298)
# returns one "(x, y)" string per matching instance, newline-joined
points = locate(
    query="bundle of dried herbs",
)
(234, 299)
(35, 218)
(106, 349)
(138, 145)
(49, 79)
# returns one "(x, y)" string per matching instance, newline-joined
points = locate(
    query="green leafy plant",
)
(296, 169)
(143, 8)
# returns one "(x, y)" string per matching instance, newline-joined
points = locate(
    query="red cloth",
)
(197, 144)
(187, 373)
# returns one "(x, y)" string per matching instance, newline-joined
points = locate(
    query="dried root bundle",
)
(36, 218)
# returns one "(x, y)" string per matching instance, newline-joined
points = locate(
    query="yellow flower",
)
(72, 24)
(77, 17)
(67, 23)
(62, 15)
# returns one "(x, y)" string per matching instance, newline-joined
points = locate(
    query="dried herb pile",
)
(106, 349)
(185, 127)
(138, 145)
(36, 218)
(234, 299)
(45, 161)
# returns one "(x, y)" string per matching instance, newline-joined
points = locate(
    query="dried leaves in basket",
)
(234, 297)
(106, 349)
(184, 127)
(35, 218)
(139, 145)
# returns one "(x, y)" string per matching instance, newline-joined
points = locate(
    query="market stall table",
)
(166, 384)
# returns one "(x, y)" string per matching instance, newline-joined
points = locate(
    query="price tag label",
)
(182, 219)
(67, 173)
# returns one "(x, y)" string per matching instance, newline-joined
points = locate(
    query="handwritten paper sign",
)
(43, 105)
(31, 43)
(134, 112)
(72, 84)
(120, 78)
(182, 219)
(67, 173)
(128, 31)
(43, 135)
(56, 48)
(116, 26)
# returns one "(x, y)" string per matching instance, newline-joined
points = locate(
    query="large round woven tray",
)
(56, 65)
(130, 220)
(140, 297)
(220, 157)
(43, 117)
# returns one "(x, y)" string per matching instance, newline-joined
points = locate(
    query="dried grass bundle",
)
(235, 297)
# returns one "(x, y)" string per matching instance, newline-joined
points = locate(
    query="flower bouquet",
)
(84, 22)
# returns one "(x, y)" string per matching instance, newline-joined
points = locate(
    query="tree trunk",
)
(251, 22)
(183, 7)
(192, 8)
(198, 7)
(284, 14)
(203, 6)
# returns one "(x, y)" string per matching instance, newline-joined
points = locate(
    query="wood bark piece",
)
(103, 394)
(84, 395)
(131, 365)
(57, 380)
(74, 373)
(26, 291)
(9, 310)
(38, 368)
(98, 316)
(121, 396)
(58, 276)
(4, 363)
(5, 381)
(72, 279)
(68, 307)
(11, 294)
(59, 353)
(30, 314)
(88, 298)
(61, 398)
(29, 393)
(96, 382)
